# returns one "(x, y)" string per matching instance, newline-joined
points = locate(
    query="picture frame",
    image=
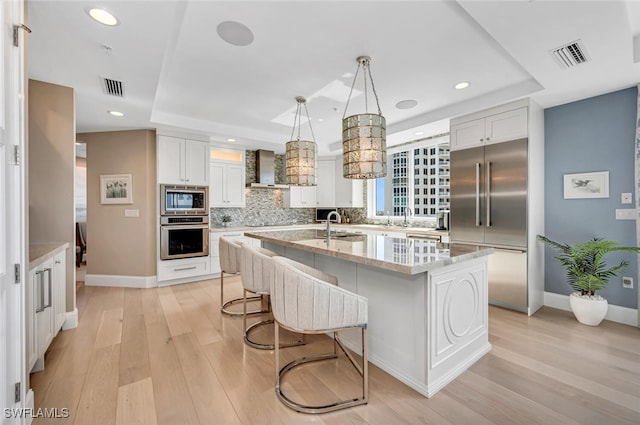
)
(586, 185)
(116, 189)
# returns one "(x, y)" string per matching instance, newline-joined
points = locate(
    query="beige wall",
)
(119, 245)
(51, 146)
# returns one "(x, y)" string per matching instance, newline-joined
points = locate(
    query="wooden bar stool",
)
(307, 301)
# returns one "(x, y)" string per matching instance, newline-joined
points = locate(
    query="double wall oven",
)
(184, 221)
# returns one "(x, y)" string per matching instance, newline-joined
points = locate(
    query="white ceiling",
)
(179, 75)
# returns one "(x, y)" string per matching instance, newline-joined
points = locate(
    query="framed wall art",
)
(116, 189)
(586, 185)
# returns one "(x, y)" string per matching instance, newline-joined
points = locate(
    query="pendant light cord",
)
(366, 69)
(297, 120)
(351, 91)
(313, 137)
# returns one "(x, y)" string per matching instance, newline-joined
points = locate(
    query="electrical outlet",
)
(627, 282)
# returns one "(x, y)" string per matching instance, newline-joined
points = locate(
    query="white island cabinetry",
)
(428, 302)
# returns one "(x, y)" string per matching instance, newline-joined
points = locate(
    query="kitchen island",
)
(428, 302)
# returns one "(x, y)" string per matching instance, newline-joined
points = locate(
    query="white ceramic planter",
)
(588, 311)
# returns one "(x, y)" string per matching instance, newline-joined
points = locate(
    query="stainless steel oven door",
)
(184, 241)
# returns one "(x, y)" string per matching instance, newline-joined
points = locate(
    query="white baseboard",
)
(70, 320)
(141, 282)
(615, 313)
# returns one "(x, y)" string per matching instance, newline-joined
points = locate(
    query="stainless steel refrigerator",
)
(489, 207)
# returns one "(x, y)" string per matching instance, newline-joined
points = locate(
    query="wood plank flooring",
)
(166, 356)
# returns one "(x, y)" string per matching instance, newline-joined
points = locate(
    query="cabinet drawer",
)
(178, 269)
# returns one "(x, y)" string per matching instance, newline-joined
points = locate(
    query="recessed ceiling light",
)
(320, 119)
(116, 113)
(461, 85)
(347, 75)
(418, 133)
(235, 33)
(406, 104)
(103, 17)
(231, 140)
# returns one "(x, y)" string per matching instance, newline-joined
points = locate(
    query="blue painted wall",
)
(596, 134)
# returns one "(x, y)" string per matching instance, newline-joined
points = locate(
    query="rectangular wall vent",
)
(571, 54)
(112, 87)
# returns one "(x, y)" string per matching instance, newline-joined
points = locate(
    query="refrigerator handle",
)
(488, 193)
(477, 194)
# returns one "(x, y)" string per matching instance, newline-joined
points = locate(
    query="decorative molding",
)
(141, 282)
(615, 313)
(70, 320)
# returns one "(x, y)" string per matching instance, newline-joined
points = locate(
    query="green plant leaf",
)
(585, 264)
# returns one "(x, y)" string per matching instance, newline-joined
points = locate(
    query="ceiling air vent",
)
(112, 87)
(571, 54)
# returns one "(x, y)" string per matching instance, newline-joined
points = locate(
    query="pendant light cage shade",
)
(364, 146)
(364, 136)
(301, 162)
(301, 155)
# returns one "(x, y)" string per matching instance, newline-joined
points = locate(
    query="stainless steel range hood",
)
(266, 171)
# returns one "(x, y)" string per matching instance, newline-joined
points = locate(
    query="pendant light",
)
(364, 145)
(300, 158)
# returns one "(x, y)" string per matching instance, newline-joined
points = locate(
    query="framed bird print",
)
(586, 185)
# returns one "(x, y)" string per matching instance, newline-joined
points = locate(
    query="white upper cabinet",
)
(300, 197)
(182, 161)
(326, 188)
(227, 187)
(349, 192)
(496, 128)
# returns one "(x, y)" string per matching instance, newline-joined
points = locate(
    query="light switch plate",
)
(131, 213)
(626, 198)
(627, 282)
(625, 214)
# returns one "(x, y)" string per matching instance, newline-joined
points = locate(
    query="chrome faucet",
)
(388, 219)
(332, 213)
(407, 210)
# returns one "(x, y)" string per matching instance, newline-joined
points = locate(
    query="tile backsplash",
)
(266, 207)
(263, 207)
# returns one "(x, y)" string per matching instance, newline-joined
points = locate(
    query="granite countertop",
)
(404, 255)
(40, 252)
(376, 227)
(215, 229)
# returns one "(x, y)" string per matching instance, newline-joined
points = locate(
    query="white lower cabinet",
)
(45, 307)
(214, 240)
(183, 268)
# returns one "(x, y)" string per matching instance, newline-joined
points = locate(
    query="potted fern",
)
(587, 272)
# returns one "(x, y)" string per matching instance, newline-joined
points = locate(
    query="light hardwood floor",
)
(167, 356)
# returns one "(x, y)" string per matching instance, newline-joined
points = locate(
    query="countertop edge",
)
(411, 270)
(41, 252)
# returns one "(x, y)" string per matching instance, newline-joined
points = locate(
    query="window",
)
(392, 194)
